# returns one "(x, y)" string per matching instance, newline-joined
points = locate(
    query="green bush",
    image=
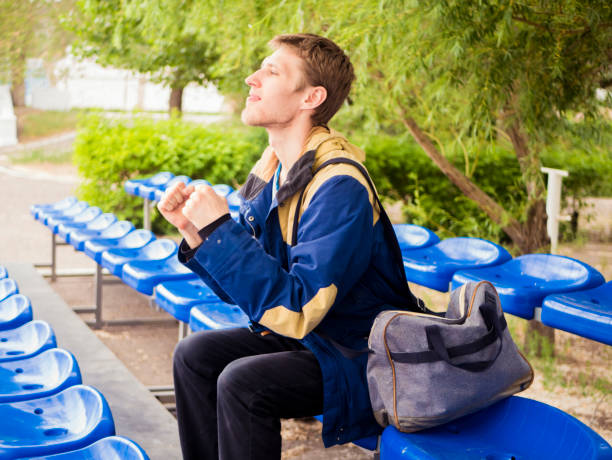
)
(402, 170)
(108, 152)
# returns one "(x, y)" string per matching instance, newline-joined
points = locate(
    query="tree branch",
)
(498, 214)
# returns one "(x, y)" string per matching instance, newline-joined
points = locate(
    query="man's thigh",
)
(211, 351)
(286, 384)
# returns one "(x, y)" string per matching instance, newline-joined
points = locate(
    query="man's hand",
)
(172, 203)
(204, 206)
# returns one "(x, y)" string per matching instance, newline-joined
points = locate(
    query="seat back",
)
(15, 310)
(160, 249)
(102, 221)
(8, 287)
(26, 340)
(117, 229)
(555, 269)
(137, 239)
(197, 182)
(87, 215)
(411, 236)
(473, 249)
(222, 189)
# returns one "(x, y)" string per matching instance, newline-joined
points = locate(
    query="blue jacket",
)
(324, 289)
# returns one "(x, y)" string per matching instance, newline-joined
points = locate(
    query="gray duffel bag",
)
(425, 370)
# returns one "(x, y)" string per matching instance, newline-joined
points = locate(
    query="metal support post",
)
(98, 302)
(53, 247)
(146, 212)
(553, 205)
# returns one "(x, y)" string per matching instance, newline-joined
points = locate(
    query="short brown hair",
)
(326, 65)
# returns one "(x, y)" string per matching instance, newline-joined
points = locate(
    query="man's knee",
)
(192, 351)
(235, 383)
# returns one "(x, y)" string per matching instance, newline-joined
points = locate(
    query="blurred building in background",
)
(85, 84)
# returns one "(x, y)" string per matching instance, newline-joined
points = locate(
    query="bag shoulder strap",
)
(384, 218)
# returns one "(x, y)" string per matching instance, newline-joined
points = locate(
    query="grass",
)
(35, 124)
(40, 156)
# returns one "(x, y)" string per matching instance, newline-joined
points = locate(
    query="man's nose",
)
(251, 80)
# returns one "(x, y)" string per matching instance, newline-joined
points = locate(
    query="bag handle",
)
(436, 344)
(439, 352)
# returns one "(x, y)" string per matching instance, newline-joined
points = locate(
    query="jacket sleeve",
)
(335, 236)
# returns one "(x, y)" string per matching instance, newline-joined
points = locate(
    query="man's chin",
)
(248, 119)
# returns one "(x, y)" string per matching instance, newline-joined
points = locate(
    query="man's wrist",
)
(191, 236)
(208, 229)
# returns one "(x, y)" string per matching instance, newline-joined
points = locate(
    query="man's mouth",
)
(253, 98)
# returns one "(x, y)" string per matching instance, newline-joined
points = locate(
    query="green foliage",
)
(108, 152)
(403, 171)
(466, 73)
(29, 29)
(137, 35)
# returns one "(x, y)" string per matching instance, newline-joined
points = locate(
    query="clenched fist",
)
(204, 206)
(172, 203)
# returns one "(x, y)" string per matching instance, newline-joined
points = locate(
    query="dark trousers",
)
(232, 388)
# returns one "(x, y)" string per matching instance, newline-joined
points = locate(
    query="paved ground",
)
(147, 351)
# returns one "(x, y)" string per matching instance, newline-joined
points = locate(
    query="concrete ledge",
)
(137, 414)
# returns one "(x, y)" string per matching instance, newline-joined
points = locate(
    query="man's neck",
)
(288, 144)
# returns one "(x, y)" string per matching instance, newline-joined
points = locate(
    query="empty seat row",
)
(523, 282)
(45, 410)
(193, 298)
(562, 292)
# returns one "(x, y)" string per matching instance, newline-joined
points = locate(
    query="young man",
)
(311, 292)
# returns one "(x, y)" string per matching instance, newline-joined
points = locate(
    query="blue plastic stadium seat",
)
(8, 287)
(103, 221)
(115, 258)
(109, 448)
(234, 200)
(89, 215)
(3, 272)
(144, 275)
(44, 214)
(197, 182)
(410, 236)
(61, 205)
(115, 230)
(54, 220)
(148, 190)
(216, 316)
(434, 266)
(514, 428)
(158, 193)
(133, 240)
(15, 310)
(222, 189)
(586, 313)
(132, 186)
(25, 341)
(522, 283)
(69, 420)
(39, 376)
(177, 297)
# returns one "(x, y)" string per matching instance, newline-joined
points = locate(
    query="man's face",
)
(277, 90)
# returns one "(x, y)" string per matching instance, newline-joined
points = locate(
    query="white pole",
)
(553, 204)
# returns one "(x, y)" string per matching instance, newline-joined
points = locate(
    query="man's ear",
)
(315, 97)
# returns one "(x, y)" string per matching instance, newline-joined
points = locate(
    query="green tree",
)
(30, 29)
(453, 74)
(141, 37)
